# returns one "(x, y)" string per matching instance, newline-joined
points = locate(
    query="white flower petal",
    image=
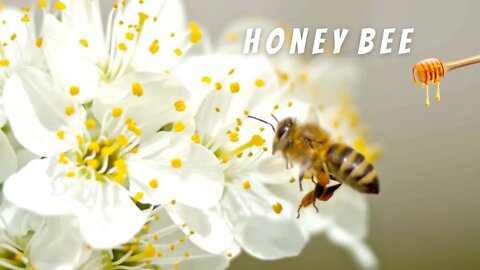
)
(170, 18)
(363, 255)
(152, 110)
(3, 115)
(211, 232)
(84, 17)
(258, 229)
(31, 188)
(349, 210)
(272, 170)
(8, 159)
(107, 215)
(19, 221)
(256, 101)
(58, 244)
(69, 61)
(21, 51)
(35, 110)
(198, 182)
(270, 237)
(217, 262)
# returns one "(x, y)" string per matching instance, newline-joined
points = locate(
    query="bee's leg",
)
(300, 178)
(298, 211)
(304, 166)
(316, 208)
(287, 161)
(322, 178)
(318, 191)
(328, 193)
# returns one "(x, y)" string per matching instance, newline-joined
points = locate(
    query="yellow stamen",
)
(122, 140)
(154, 47)
(137, 89)
(179, 126)
(150, 251)
(74, 90)
(195, 37)
(122, 46)
(129, 36)
(25, 18)
(93, 163)
(90, 123)
(107, 151)
(180, 105)
(94, 147)
(39, 42)
(138, 196)
(84, 42)
(153, 183)
(235, 87)
(178, 52)
(4, 63)
(62, 159)
(206, 79)
(61, 134)
(196, 138)
(176, 163)
(69, 110)
(60, 6)
(42, 4)
(259, 83)
(117, 112)
(277, 208)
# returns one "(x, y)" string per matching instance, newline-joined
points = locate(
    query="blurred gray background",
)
(427, 216)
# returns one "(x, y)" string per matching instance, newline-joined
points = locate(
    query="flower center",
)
(100, 152)
(12, 251)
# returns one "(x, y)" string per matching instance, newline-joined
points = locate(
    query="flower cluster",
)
(125, 145)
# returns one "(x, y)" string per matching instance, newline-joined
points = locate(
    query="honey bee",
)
(311, 146)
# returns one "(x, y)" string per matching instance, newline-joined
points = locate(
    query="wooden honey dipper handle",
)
(461, 63)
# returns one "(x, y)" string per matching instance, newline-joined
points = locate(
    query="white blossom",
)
(8, 158)
(249, 214)
(161, 244)
(18, 46)
(99, 156)
(30, 241)
(139, 36)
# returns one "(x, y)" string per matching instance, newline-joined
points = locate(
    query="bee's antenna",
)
(274, 117)
(263, 121)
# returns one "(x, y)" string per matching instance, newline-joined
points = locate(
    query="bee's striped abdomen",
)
(352, 168)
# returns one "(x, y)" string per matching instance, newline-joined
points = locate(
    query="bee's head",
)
(282, 134)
